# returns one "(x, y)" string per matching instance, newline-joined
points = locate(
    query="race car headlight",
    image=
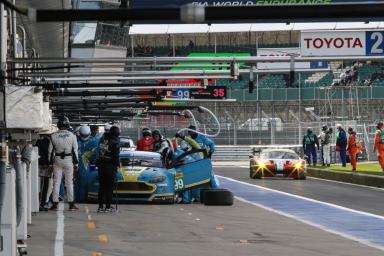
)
(261, 164)
(299, 165)
(158, 179)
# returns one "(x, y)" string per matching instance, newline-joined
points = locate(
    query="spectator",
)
(191, 44)
(341, 144)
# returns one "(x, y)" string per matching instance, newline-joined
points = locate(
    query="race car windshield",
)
(279, 155)
(141, 161)
(125, 143)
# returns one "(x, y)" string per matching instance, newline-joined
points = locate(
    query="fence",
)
(264, 135)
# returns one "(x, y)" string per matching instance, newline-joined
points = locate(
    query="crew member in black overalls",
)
(107, 164)
(45, 172)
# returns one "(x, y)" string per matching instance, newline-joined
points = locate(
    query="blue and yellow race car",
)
(143, 177)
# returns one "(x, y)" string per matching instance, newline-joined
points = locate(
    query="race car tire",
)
(253, 175)
(301, 176)
(218, 197)
(202, 194)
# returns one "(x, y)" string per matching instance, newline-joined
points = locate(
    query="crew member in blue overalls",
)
(88, 147)
(205, 143)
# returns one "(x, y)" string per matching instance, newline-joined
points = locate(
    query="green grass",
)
(371, 169)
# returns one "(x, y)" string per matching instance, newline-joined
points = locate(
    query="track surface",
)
(193, 230)
(242, 229)
(350, 196)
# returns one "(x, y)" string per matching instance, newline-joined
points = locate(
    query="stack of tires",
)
(216, 196)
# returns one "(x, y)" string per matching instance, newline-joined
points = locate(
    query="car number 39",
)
(179, 184)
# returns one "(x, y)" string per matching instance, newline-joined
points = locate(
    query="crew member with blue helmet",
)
(87, 153)
(202, 140)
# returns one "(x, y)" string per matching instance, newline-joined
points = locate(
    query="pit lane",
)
(347, 195)
(243, 229)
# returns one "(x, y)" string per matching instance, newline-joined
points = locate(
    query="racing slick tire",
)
(217, 197)
(254, 176)
(302, 176)
(202, 194)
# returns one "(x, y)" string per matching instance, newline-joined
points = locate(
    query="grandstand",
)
(274, 95)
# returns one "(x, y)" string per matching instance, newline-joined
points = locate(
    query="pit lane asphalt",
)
(355, 197)
(241, 229)
(167, 230)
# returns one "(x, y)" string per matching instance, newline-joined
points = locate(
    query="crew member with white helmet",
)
(63, 156)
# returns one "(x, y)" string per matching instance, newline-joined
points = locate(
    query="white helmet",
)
(84, 131)
(107, 127)
(77, 130)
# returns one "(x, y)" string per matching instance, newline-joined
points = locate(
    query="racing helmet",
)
(107, 127)
(156, 132)
(146, 132)
(63, 123)
(76, 131)
(84, 131)
(191, 133)
(114, 131)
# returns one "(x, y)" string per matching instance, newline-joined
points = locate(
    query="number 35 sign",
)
(342, 43)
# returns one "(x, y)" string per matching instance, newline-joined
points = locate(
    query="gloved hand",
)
(179, 135)
(75, 170)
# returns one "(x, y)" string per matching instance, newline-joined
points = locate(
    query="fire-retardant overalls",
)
(63, 154)
(145, 143)
(353, 149)
(379, 147)
(88, 153)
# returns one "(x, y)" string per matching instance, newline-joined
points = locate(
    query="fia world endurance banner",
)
(177, 3)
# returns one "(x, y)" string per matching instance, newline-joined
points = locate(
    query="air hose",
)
(203, 109)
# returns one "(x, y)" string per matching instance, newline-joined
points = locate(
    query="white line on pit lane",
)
(59, 240)
(313, 178)
(310, 223)
(346, 183)
(304, 198)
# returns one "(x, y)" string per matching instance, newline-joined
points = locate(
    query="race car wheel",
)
(202, 194)
(254, 175)
(218, 197)
(301, 176)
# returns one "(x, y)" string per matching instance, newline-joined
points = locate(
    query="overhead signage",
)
(279, 52)
(342, 43)
(209, 93)
(177, 3)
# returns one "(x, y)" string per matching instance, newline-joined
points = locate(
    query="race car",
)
(127, 144)
(284, 163)
(143, 177)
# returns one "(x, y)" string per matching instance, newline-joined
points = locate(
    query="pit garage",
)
(194, 119)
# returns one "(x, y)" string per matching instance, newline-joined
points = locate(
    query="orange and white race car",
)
(283, 163)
